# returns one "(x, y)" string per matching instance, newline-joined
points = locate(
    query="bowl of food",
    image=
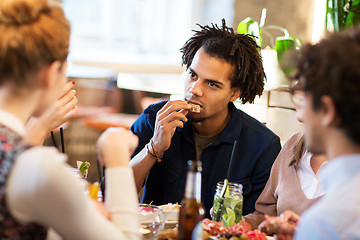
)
(171, 211)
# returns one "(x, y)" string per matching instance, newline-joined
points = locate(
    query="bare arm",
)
(171, 116)
(141, 165)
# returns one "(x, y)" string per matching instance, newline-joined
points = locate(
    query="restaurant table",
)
(104, 121)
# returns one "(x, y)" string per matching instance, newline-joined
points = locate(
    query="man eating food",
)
(222, 66)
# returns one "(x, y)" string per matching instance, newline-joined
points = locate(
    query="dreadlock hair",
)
(240, 50)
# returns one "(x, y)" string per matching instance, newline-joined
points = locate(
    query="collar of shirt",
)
(305, 164)
(230, 132)
(12, 121)
(309, 181)
(340, 170)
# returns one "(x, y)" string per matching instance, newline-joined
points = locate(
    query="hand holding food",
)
(115, 147)
(282, 227)
(168, 118)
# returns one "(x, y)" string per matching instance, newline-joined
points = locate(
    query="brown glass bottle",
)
(191, 211)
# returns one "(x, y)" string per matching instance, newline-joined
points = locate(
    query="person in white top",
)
(37, 189)
(308, 176)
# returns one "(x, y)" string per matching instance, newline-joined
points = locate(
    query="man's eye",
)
(212, 84)
(192, 75)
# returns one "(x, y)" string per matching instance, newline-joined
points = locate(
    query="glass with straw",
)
(228, 199)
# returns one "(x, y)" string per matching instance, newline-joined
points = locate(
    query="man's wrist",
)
(151, 151)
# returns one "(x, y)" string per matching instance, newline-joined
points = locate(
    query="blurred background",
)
(114, 32)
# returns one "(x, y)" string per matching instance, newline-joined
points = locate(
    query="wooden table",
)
(104, 121)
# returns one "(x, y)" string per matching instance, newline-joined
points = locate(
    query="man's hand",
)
(115, 147)
(169, 117)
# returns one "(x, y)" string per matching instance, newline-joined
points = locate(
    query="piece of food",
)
(242, 227)
(194, 108)
(218, 230)
(168, 234)
(170, 206)
(147, 209)
(256, 234)
(239, 231)
(276, 225)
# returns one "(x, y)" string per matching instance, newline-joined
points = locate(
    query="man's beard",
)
(193, 119)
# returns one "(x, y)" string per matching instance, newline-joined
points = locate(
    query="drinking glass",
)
(228, 207)
(151, 221)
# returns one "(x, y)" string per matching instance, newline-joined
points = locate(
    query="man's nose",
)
(195, 88)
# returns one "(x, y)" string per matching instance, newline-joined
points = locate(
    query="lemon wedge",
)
(230, 221)
(94, 190)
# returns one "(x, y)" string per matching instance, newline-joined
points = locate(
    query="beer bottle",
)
(191, 211)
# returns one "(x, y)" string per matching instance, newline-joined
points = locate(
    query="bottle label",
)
(193, 186)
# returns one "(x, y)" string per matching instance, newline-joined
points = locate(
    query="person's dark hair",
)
(240, 50)
(332, 68)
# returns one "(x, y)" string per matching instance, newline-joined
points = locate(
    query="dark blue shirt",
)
(257, 150)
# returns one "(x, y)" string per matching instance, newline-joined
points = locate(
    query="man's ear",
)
(329, 112)
(50, 74)
(235, 94)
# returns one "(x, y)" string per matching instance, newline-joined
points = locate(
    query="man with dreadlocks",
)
(222, 66)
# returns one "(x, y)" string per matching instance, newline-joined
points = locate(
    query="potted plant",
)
(273, 53)
(341, 14)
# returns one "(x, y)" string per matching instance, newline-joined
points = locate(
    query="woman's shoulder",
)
(287, 151)
(293, 139)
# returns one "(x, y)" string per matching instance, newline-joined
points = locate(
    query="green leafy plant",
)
(341, 14)
(280, 44)
(258, 30)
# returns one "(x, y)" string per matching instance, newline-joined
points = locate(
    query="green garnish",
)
(83, 169)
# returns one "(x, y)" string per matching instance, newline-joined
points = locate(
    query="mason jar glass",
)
(228, 208)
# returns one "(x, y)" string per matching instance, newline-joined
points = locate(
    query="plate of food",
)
(171, 212)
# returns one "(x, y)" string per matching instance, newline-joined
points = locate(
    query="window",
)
(153, 30)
